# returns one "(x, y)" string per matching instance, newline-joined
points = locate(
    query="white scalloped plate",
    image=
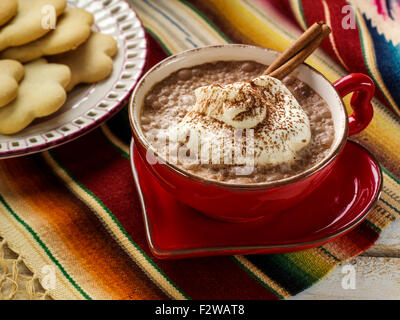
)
(88, 106)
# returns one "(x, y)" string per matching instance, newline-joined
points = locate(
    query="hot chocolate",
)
(291, 125)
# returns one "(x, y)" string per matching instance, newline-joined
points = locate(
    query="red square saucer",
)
(342, 202)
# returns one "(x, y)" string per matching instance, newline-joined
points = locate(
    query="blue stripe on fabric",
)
(387, 60)
(166, 17)
(389, 205)
(192, 42)
(174, 22)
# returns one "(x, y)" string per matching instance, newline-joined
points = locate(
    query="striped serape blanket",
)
(75, 209)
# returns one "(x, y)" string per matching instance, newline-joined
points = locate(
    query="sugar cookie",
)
(91, 62)
(41, 93)
(30, 22)
(8, 9)
(11, 73)
(73, 28)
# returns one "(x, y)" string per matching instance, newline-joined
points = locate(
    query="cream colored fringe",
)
(17, 282)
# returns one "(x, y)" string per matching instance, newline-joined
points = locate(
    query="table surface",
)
(377, 273)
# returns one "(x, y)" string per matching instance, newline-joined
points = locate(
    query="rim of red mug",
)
(140, 138)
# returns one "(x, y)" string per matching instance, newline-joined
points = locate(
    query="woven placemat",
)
(17, 282)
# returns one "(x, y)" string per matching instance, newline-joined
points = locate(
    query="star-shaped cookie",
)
(8, 9)
(29, 23)
(91, 62)
(10, 75)
(41, 93)
(73, 29)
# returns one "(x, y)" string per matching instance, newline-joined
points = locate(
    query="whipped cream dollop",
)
(263, 111)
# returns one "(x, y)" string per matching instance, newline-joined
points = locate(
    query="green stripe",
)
(290, 267)
(120, 127)
(252, 275)
(212, 25)
(329, 254)
(390, 206)
(122, 229)
(267, 18)
(302, 13)
(385, 110)
(156, 37)
(44, 247)
(120, 151)
(320, 267)
(390, 175)
(373, 226)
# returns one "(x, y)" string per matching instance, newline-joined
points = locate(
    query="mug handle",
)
(364, 90)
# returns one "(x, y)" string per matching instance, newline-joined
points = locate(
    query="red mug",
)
(247, 202)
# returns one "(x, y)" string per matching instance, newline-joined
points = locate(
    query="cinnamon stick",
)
(299, 51)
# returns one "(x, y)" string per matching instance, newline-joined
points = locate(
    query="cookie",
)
(73, 29)
(11, 74)
(91, 62)
(28, 24)
(8, 9)
(41, 93)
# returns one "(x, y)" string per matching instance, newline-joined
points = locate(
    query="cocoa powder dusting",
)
(172, 98)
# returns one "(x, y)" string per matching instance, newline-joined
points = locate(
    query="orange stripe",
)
(347, 246)
(63, 222)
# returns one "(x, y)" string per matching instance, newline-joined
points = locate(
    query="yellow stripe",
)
(205, 27)
(297, 12)
(150, 21)
(164, 37)
(392, 189)
(113, 138)
(263, 277)
(388, 207)
(380, 216)
(381, 135)
(163, 28)
(246, 22)
(134, 252)
(311, 263)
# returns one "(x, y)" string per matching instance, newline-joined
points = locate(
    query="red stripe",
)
(156, 52)
(283, 6)
(347, 41)
(363, 237)
(100, 168)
